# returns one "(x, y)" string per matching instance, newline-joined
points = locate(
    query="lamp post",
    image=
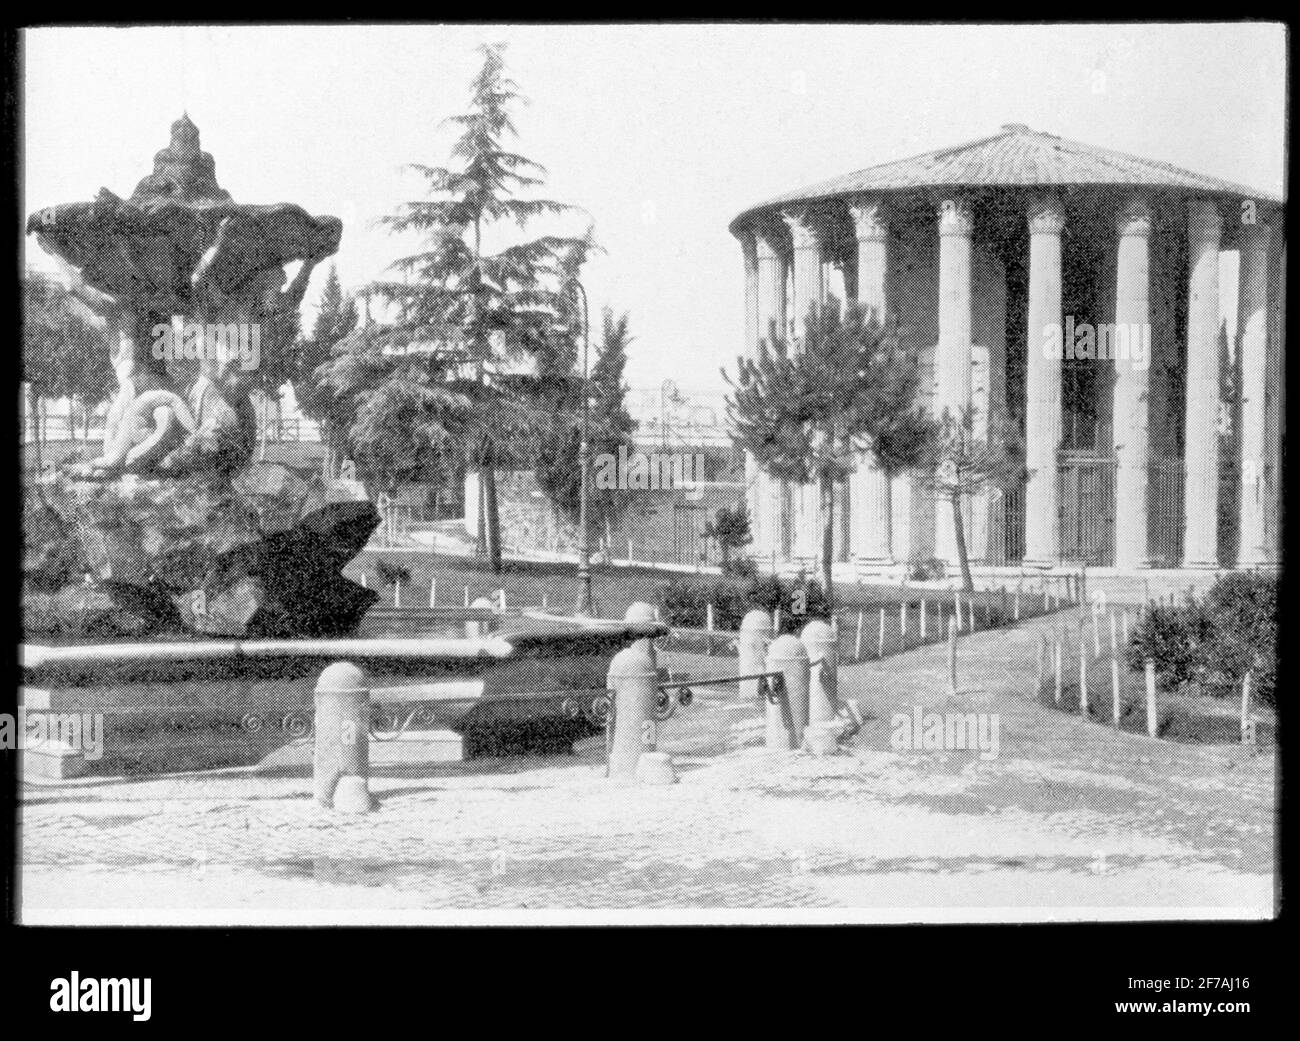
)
(584, 607)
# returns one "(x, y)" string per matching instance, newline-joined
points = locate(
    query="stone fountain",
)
(174, 528)
(175, 523)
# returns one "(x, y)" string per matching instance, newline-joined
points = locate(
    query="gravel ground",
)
(1070, 820)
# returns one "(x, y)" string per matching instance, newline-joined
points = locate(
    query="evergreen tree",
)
(472, 308)
(610, 425)
(959, 463)
(335, 321)
(806, 414)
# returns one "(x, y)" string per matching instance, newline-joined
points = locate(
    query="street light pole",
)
(584, 607)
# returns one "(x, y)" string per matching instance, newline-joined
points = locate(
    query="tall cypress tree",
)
(335, 320)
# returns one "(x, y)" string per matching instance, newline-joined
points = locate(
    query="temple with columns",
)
(1073, 291)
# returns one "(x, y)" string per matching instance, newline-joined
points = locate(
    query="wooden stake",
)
(902, 626)
(923, 620)
(1041, 672)
(1114, 692)
(880, 643)
(467, 596)
(397, 593)
(1096, 636)
(952, 656)
(857, 641)
(1114, 634)
(1247, 727)
(1060, 666)
(433, 592)
(1083, 677)
(1015, 606)
(1153, 728)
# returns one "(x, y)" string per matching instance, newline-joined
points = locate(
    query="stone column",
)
(1044, 347)
(952, 359)
(808, 290)
(1201, 474)
(1275, 396)
(765, 491)
(1130, 411)
(749, 252)
(758, 527)
(872, 516)
(1252, 344)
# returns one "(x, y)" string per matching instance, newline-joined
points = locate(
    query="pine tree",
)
(473, 309)
(958, 462)
(557, 463)
(335, 320)
(807, 414)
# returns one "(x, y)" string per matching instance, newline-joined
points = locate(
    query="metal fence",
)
(1165, 510)
(1087, 508)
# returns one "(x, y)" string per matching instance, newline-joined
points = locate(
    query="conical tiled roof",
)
(1016, 156)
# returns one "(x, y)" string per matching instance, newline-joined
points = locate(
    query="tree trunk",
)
(959, 530)
(491, 518)
(827, 488)
(35, 411)
(328, 466)
(261, 428)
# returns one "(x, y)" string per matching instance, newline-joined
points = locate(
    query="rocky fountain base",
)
(261, 555)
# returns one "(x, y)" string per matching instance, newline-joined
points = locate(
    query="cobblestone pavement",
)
(1070, 820)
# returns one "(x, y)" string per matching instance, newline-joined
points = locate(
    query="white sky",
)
(662, 133)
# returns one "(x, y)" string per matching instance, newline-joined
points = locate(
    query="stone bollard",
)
(787, 718)
(475, 629)
(342, 731)
(639, 611)
(751, 651)
(820, 642)
(634, 681)
(642, 613)
(655, 768)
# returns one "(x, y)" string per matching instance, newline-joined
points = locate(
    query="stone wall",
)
(663, 525)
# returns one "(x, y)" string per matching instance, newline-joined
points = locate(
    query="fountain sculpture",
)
(174, 519)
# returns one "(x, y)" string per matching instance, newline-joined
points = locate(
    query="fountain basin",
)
(203, 703)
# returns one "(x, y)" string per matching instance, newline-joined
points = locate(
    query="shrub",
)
(1213, 640)
(740, 567)
(1244, 606)
(930, 569)
(685, 603)
(1172, 638)
(390, 572)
